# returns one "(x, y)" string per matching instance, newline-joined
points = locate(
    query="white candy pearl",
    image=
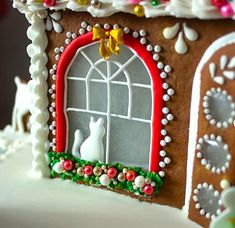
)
(140, 181)
(58, 168)
(105, 180)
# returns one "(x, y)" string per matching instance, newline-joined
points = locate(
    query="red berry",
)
(219, 3)
(88, 170)
(130, 175)
(68, 165)
(112, 172)
(49, 3)
(148, 190)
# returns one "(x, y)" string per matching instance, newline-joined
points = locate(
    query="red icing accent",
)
(66, 58)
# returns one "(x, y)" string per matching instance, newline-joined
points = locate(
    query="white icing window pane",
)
(79, 67)
(102, 67)
(130, 139)
(124, 56)
(142, 103)
(119, 99)
(98, 96)
(94, 74)
(138, 72)
(129, 142)
(215, 153)
(76, 94)
(81, 120)
(209, 201)
(220, 107)
(92, 51)
(121, 77)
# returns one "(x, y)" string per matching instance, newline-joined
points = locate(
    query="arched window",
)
(121, 90)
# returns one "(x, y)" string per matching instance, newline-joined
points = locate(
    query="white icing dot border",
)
(197, 203)
(208, 113)
(205, 162)
(164, 73)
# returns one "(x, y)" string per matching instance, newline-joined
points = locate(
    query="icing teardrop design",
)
(184, 32)
(180, 45)
(48, 24)
(56, 16)
(190, 33)
(58, 28)
(223, 62)
(171, 32)
(231, 63)
(52, 22)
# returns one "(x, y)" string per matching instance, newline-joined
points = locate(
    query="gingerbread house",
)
(135, 96)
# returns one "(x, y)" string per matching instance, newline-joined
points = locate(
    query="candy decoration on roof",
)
(225, 7)
(134, 1)
(49, 3)
(139, 10)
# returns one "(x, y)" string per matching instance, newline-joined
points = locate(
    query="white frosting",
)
(225, 66)
(182, 31)
(180, 45)
(21, 105)
(191, 34)
(92, 149)
(193, 129)
(171, 32)
(11, 141)
(179, 8)
(52, 22)
(56, 203)
(38, 87)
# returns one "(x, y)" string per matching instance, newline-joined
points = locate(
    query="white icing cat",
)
(22, 105)
(92, 148)
(78, 138)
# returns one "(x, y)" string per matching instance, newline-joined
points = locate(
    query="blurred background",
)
(13, 57)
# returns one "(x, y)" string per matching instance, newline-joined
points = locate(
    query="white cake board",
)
(26, 202)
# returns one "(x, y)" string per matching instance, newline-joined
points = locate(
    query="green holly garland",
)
(112, 176)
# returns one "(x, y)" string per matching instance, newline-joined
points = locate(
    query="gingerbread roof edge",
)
(202, 9)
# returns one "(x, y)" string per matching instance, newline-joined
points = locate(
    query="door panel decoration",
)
(210, 151)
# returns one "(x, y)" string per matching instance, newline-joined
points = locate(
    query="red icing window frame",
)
(157, 94)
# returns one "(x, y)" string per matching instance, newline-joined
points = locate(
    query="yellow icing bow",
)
(115, 38)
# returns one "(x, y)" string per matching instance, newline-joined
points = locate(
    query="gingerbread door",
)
(211, 151)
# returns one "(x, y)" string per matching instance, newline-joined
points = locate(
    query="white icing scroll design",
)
(226, 67)
(186, 32)
(52, 22)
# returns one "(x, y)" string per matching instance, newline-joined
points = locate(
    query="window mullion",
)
(108, 111)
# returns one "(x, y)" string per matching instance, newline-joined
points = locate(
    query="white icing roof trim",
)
(202, 9)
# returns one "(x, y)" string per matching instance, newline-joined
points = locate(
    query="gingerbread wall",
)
(180, 79)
